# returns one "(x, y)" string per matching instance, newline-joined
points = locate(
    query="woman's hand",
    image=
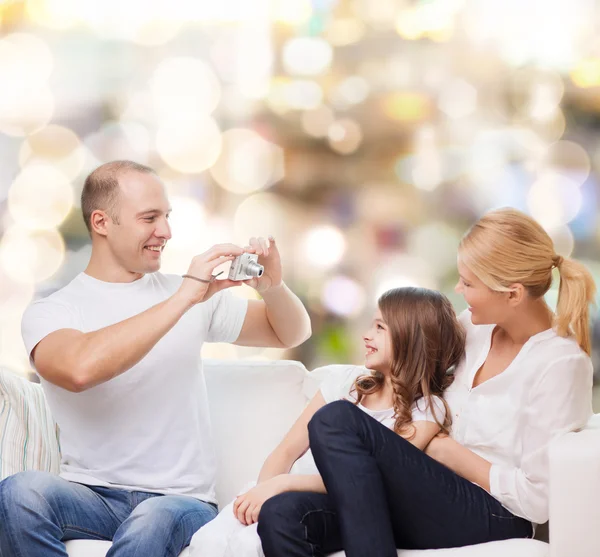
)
(247, 506)
(460, 460)
(439, 446)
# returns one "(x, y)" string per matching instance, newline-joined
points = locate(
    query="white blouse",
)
(510, 419)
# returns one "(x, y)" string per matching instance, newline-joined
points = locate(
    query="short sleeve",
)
(423, 412)
(338, 383)
(46, 316)
(226, 318)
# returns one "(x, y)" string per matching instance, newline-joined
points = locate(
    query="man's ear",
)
(99, 221)
(517, 294)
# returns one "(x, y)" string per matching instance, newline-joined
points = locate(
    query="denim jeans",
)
(382, 493)
(40, 511)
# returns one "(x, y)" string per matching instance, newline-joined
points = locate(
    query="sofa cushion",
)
(506, 548)
(28, 434)
(252, 404)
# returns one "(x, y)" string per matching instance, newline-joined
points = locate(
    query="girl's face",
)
(378, 345)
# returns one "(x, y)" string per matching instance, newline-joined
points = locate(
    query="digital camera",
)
(245, 267)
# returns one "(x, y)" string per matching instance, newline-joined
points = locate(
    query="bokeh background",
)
(365, 135)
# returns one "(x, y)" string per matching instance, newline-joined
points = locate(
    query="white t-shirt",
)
(510, 419)
(338, 385)
(147, 429)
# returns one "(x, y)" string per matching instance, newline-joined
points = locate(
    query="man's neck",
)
(110, 273)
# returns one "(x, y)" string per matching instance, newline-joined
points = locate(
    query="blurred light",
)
(433, 19)
(436, 244)
(189, 146)
(120, 140)
(380, 15)
(138, 21)
(554, 200)
(407, 106)
(293, 12)
(41, 197)
(427, 165)
(345, 136)
(15, 296)
(26, 102)
(545, 99)
(316, 122)
(345, 31)
(564, 241)
(324, 246)
(343, 296)
(57, 146)
(351, 91)
(458, 99)
(569, 158)
(31, 256)
(586, 73)
(307, 56)
(253, 62)
(261, 214)
(54, 14)
(188, 223)
(184, 88)
(193, 233)
(401, 271)
(247, 162)
(302, 94)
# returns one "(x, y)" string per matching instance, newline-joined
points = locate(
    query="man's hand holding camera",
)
(258, 265)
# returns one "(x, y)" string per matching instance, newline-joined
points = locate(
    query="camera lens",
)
(254, 269)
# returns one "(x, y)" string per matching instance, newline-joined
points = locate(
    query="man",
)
(117, 350)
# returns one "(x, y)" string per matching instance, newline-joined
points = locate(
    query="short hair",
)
(101, 189)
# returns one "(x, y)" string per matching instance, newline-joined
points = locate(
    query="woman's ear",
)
(516, 294)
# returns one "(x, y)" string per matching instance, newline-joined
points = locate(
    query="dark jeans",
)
(382, 493)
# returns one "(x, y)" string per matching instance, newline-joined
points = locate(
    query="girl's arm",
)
(294, 444)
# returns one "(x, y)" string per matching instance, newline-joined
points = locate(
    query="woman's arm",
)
(461, 460)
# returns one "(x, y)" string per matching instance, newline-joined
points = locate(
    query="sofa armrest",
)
(575, 494)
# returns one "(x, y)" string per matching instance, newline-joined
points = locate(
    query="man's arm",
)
(77, 361)
(279, 320)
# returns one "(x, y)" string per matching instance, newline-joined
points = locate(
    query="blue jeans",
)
(40, 511)
(382, 493)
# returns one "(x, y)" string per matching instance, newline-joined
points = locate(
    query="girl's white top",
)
(511, 418)
(338, 385)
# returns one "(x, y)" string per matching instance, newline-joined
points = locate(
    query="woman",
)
(525, 378)
(413, 340)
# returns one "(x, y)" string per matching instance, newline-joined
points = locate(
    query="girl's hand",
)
(247, 506)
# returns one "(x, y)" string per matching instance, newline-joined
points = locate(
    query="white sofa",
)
(254, 403)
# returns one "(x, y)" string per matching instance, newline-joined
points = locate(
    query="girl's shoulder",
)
(338, 382)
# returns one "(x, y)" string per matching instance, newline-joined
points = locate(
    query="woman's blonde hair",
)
(506, 246)
(427, 343)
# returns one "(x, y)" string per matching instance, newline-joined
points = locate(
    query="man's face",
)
(142, 212)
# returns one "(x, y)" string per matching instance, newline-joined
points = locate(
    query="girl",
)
(525, 377)
(413, 343)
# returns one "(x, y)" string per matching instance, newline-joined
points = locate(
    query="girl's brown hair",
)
(506, 246)
(427, 342)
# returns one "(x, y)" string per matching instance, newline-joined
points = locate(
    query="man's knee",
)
(29, 489)
(174, 518)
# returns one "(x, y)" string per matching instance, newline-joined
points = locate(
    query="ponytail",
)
(575, 294)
